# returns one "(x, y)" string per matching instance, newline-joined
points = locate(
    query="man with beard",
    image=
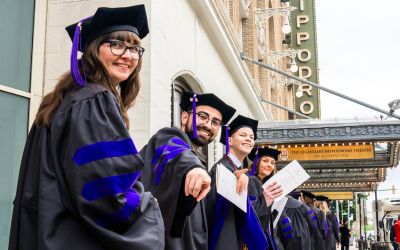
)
(176, 176)
(230, 227)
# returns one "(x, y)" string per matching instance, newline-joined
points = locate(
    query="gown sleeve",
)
(168, 157)
(98, 165)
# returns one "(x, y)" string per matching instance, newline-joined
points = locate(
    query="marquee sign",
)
(323, 153)
(306, 97)
(336, 195)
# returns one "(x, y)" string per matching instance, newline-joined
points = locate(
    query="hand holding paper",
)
(289, 178)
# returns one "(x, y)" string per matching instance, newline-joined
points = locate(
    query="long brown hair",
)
(94, 70)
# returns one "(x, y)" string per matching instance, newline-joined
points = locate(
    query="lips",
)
(204, 132)
(122, 65)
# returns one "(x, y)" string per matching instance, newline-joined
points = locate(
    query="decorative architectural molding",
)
(209, 12)
(244, 8)
(374, 131)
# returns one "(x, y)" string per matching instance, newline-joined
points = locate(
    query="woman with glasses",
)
(78, 185)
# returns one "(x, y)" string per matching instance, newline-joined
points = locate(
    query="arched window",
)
(180, 84)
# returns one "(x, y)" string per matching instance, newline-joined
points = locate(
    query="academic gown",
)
(168, 157)
(294, 224)
(329, 236)
(335, 225)
(316, 218)
(230, 233)
(293, 229)
(78, 187)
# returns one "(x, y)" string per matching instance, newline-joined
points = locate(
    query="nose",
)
(127, 54)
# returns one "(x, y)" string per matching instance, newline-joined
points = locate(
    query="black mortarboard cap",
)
(207, 99)
(321, 198)
(307, 194)
(237, 123)
(295, 194)
(271, 152)
(107, 20)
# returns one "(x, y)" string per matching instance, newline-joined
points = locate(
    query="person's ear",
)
(230, 141)
(184, 118)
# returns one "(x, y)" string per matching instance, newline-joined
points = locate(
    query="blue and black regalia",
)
(78, 187)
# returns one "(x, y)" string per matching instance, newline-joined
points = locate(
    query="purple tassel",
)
(194, 100)
(76, 43)
(76, 46)
(226, 139)
(253, 170)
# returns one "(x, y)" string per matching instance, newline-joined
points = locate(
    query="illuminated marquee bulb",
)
(293, 67)
(299, 93)
(286, 29)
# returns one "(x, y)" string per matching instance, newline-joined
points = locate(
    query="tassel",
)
(194, 100)
(77, 46)
(253, 170)
(226, 139)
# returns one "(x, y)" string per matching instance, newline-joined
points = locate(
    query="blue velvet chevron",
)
(313, 220)
(102, 150)
(247, 224)
(287, 229)
(166, 153)
(112, 186)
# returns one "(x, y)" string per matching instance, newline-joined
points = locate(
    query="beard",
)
(199, 141)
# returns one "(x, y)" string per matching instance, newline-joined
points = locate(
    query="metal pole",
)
(282, 107)
(337, 210)
(341, 208)
(359, 205)
(243, 57)
(376, 215)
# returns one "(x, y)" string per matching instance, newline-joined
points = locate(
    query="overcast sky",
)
(359, 56)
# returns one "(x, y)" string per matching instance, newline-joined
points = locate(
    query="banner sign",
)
(306, 97)
(323, 153)
(336, 195)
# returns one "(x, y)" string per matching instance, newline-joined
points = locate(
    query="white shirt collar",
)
(235, 160)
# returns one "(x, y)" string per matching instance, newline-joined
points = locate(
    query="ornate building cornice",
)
(297, 132)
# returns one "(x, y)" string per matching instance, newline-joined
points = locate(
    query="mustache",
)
(204, 128)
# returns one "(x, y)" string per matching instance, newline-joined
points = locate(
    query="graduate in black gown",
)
(332, 217)
(78, 187)
(177, 177)
(293, 226)
(328, 235)
(317, 234)
(229, 226)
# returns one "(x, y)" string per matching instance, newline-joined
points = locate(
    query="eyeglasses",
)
(119, 48)
(204, 118)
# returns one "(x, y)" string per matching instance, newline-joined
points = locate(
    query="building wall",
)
(198, 41)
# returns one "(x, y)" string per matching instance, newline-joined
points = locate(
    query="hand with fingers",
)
(197, 183)
(243, 180)
(271, 192)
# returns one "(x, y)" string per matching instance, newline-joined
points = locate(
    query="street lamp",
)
(394, 105)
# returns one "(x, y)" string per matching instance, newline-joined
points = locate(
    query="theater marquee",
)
(318, 153)
(306, 97)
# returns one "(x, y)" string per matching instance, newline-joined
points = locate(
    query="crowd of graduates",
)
(84, 185)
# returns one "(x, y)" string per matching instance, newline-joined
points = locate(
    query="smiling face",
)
(120, 67)
(206, 131)
(266, 167)
(241, 142)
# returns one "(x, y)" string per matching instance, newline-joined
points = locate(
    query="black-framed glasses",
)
(204, 118)
(119, 48)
